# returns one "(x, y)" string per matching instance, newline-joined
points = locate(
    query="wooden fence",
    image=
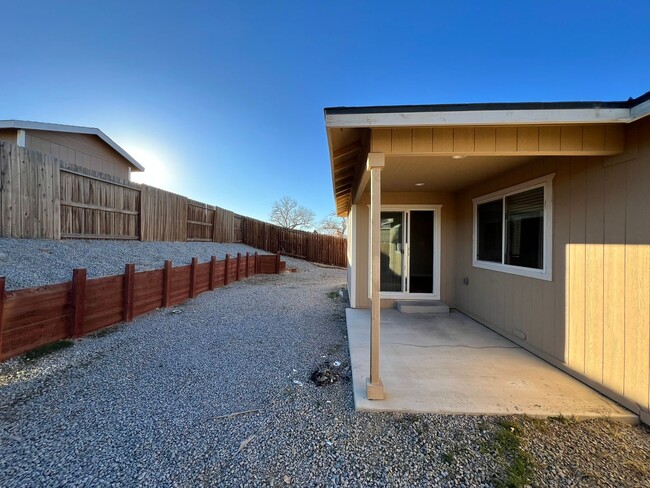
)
(317, 248)
(34, 317)
(42, 197)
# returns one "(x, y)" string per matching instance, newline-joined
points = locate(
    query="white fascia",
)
(488, 117)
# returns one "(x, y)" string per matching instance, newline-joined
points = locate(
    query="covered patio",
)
(451, 364)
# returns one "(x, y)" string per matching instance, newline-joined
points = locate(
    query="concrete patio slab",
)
(451, 364)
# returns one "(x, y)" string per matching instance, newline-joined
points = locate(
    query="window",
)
(512, 229)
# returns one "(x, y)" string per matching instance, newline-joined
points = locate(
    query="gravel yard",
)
(35, 262)
(218, 392)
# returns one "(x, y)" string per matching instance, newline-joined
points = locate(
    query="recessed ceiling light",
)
(419, 184)
(458, 156)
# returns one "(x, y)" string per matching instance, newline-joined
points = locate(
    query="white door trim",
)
(437, 210)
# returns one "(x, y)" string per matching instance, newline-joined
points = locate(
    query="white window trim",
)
(546, 273)
(437, 229)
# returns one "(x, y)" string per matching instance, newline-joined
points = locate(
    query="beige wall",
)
(594, 317)
(447, 241)
(84, 150)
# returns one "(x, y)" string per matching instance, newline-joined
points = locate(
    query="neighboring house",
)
(532, 218)
(86, 147)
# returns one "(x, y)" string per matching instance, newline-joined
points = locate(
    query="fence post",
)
(213, 270)
(193, 278)
(225, 269)
(127, 301)
(2, 307)
(78, 302)
(247, 256)
(277, 263)
(167, 283)
(237, 273)
(257, 264)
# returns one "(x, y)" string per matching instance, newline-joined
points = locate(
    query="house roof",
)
(492, 113)
(24, 124)
(348, 128)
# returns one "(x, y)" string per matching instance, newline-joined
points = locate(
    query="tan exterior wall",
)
(83, 150)
(9, 135)
(447, 241)
(593, 318)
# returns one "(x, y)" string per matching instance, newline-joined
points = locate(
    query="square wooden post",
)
(195, 262)
(374, 385)
(127, 301)
(213, 271)
(256, 267)
(78, 302)
(247, 264)
(167, 284)
(2, 307)
(225, 269)
(277, 263)
(237, 270)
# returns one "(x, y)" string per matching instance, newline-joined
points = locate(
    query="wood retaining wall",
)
(34, 317)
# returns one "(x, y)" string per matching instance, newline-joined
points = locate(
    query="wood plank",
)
(593, 138)
(571, 138)
(98, 207)
(594, 263)
(637, 280)
(464, 139)
(129, 282)
(485, 139)
(528, 139)
(380, 140)
(78, 302)
(401, 141)
(443, 139)
(577, 278)
(422, 140)
(506, 139)
(614, 278)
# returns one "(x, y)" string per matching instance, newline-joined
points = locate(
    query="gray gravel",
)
(150, 403)
(35, 262)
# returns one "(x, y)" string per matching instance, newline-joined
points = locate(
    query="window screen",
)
(525, 229)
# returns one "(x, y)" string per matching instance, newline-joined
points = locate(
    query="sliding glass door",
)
(408, 253)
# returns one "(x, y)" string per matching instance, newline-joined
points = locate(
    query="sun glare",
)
(157, 171)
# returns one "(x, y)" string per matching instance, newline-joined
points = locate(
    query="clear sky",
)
(223, 101)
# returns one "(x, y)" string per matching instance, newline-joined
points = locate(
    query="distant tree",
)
(333, 225)
(287, 213)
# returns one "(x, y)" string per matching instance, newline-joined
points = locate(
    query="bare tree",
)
(333, 225)
(287, 213)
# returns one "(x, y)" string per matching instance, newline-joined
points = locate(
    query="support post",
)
(167, 284)
(374, 385)
(195, 262)
(2, 307)
(213, 271)
(277, 263)
(226, 269)
(257, 264)
(78, 302)
(127, 301)
(247, 264)
(237, 270)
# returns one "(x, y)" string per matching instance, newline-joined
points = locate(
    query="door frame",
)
(402, 295)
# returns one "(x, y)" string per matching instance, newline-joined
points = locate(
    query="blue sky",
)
(223, 101)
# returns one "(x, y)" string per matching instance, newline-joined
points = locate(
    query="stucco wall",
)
(447, 241)
(594, 316)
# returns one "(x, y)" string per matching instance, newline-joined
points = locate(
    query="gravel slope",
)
(150, 403)
(34, 262)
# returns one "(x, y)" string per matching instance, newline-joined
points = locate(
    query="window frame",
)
(546, 273)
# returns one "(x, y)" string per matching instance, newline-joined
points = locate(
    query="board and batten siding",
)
(85, 150)
(593, 318)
